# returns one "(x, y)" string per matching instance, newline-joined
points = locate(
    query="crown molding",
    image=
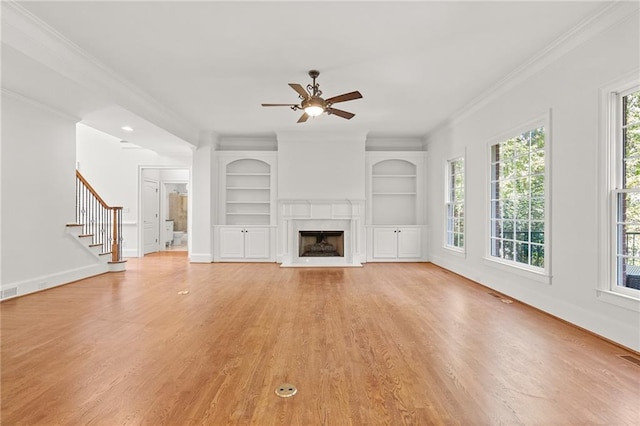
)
(33, 37)
(39, 105)
(589, 27)
(306, 136)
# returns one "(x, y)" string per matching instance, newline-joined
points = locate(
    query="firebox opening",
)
(321, 244)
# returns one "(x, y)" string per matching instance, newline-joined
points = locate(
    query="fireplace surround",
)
(336, 222)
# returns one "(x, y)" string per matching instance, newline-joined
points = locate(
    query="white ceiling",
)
(213, 63)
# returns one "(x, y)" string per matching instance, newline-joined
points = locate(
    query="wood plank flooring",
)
(384, 344)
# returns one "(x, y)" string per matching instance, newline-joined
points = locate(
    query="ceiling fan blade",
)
(289, 105)
(298, 88)
(303, 118)
(344, 97)
(341, 113)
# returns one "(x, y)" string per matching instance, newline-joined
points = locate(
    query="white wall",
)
(569, 87)
(38, 199)
(115, 173)
(321, 166)
(203, 193)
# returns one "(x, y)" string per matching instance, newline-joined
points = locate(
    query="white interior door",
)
(150, 215)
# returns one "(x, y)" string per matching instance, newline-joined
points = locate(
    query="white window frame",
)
(448, 201)
(610, 185)
(534, 273)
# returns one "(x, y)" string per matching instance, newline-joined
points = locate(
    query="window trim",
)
(610, 150)
(447, 201)
(534, 273)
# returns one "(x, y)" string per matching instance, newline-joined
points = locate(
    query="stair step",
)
(95, 245)
(105, 253)
(69, 225)
(118, 266)
(85, 236)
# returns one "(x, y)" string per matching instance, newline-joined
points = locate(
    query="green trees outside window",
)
(518, 199)
(455, 204)
(628, 194)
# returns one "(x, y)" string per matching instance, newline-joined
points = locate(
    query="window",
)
(627, 189)
(517, 195)
(455, 204)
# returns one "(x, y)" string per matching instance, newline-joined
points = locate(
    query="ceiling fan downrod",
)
(314, 89)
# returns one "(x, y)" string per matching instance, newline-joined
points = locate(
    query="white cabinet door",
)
(256, 243)
(385, 243)
(409, 243)
(231, 243)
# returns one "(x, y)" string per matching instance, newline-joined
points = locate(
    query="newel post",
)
(115, 242)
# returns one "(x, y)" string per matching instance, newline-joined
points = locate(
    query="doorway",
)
(151, 215)
(176, 201)
(164, 210)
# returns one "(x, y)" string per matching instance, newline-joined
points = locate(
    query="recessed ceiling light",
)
(127, 128)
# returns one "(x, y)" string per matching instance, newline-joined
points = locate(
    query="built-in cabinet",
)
(247, 202)
(395, 206)
(394, 217)
(391, 243)
(237, 242)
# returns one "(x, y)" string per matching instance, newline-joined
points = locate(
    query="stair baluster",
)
(98, 219)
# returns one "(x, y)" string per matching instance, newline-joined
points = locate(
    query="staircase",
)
(98, 226)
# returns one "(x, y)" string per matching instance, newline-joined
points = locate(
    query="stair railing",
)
(101, 221)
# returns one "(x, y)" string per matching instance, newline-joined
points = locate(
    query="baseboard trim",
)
(129, 253)
(201, 258)
(44, 282)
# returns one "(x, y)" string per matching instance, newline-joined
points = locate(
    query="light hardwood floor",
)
(384, 344)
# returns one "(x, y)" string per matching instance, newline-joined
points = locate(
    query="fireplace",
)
(321, 243)
(316, 233)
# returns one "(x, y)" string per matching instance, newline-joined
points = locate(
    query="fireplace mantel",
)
(331, 215)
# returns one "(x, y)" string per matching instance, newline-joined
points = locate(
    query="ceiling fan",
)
(313, 104)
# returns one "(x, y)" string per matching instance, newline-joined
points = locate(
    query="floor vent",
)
(631, 359)
(10, 292)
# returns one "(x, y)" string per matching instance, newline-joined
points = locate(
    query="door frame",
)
(162, 215)
(143, 207)
(164, 205)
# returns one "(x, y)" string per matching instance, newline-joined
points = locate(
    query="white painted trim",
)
(298, 214)
(608, 152)
(455, 251)
(201, 258)
(594, 24)
(39, 105)
(389, 143)
(447, 174)
(313, 137)
(543, 120)
(253, 143)
(29, 34)
(515, 268)
(130, 252)
(618, 299)
(44, 282)
(140, 234)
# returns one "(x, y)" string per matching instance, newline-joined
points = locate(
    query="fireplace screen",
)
(321, 244)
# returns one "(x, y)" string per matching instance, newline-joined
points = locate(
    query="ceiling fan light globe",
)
(313, 110)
